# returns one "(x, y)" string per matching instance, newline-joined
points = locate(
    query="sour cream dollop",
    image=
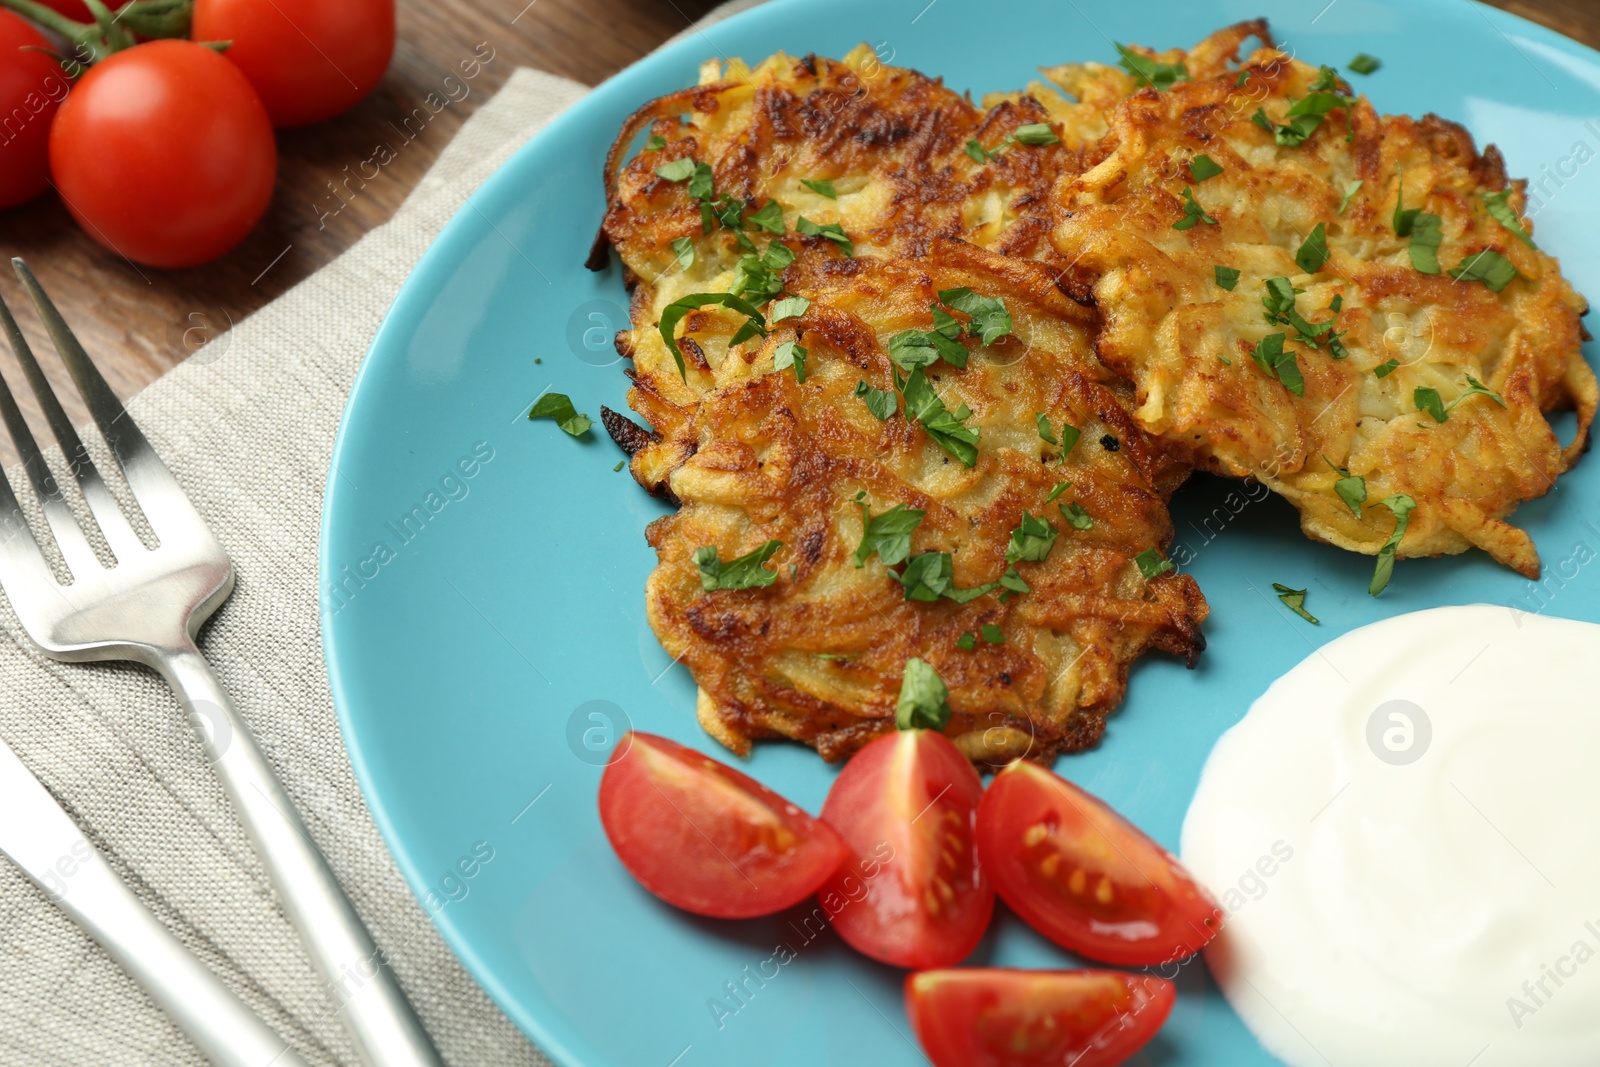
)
(1404, 834)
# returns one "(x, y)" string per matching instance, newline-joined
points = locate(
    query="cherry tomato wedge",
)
(1084, 876)
(913, 895)
(702, 836)
(32, 86)
(985, 1017)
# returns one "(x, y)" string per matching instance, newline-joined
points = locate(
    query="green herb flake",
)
(683, 248)
(941, 424)
(992, 634)
(1349, 195)
(1192, 212)
(769, 218)
(1488, 267)
(1428, 400)
(880, 402)
(1295, 601)
(656, 141)
(1151, 564)
(620, 464)
(558, 408)
(1260, 119)
(1351, 488)
(1244, 76)
(979, 154)
(1147, 71)
(923, 348)
(1402, 506)
(1076, 517)
(832, 231)
(742, 572)
(1031, 541)
(1045, 432)
(967, 641)
(1313, 251)
(790, 307)
(1225, 360)
(820, 186)
(1386, 368)
(1279, 362)
(924, 702)
(1202, 167)
(1227, 277)
(927, 576)
(790, 354)
(674, 312)
(889, 534)
(1364, 64)
(1056, 490)
(679, 170)
(1035, 133)
(990, 319)
(1500, 209)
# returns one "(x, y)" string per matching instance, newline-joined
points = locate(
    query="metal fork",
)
(148, 609)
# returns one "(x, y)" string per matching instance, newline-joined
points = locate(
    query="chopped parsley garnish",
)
(1306, 114)
(978, 153)
(674, 312)
(1349, 194)
(1147, 71)
(992, 634)
(889, 534)
(1202, 167)
(1280, 310)
(790, 354)
(1351, 488)
(1336, 303)
(832, 231)
(1386, 368)
(679, 170)
(558, 408)
(790, 307)
(1279, 362)
(1244, 76)
(683, 248)
(1295, 601)
(1076, 516)
(1428, 400)
(656, 141)
(620, 464)
(760, 276)
(1192, 212)
(1402, 506)
(1327, 80)
(742, 572)
(1364, 64)
(1421, 227)
(1034, 133)
(1151, 564)
(990, 319)
(880, 402)
(923, 348)
(941, 424)
(1313, 251)
(967, 641)
(1227, 277)
(1031, 541)
(769, 218)
(1069, 436)
(820, 186)
(1500, 209)
(924, 702)
(1488, 267)
(1056, 490)
(931, 575)
(1226, 362)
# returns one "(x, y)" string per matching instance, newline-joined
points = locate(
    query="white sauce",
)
(1433, 913)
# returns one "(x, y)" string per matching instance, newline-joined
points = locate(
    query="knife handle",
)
(47, 844)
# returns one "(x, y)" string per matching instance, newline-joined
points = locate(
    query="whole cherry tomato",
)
(164, 154)
(32, 86)
(309, 59)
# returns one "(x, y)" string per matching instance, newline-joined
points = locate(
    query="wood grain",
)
(139, 323)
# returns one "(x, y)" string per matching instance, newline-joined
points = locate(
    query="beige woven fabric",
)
(248, 428)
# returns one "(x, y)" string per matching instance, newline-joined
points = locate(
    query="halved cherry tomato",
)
(914, 895)
(32, 86)
(309, 59)
(164, 154)
(985, 1017)
(1084, 876)
(702, 836)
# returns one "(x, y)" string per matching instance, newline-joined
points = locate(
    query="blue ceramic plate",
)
(483, 575)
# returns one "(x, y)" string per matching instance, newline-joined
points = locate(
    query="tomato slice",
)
(913, 895)
(702, 836)
(989, 1017)
(1084, 876)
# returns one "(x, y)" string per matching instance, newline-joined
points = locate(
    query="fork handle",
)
(356, 975)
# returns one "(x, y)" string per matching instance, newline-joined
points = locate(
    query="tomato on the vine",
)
(164, 154)
(706, 838)
(1084, 876)
(32, 87)
(914, 895)
(309, 59)
(988, 1017)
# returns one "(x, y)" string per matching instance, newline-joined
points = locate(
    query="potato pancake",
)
(1347, 306)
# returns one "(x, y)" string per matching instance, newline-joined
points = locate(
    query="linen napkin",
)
(248, 427)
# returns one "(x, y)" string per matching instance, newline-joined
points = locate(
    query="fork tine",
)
(69, 536)
(157, 491)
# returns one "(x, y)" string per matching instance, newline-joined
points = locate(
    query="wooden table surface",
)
(139, 323)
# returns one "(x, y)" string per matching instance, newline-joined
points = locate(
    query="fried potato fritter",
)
(1188, 342)
(818, 655)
